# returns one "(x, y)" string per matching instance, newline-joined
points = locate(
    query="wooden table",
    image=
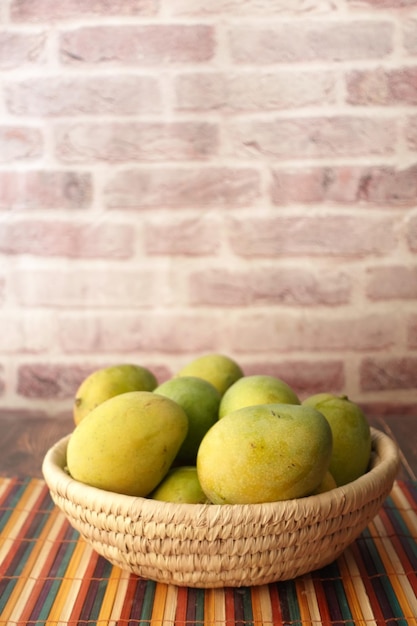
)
(23, 442)
(50, 576)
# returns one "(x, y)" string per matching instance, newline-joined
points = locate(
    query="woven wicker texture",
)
(222, 545)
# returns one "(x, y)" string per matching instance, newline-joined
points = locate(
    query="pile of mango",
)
(211, 434)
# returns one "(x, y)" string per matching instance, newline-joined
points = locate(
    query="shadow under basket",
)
(207, 545)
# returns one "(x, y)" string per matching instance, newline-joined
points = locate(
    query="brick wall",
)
(184, 176)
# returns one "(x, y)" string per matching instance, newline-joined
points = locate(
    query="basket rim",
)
(383, 470)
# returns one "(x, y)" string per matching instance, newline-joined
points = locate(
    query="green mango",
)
(200, 400)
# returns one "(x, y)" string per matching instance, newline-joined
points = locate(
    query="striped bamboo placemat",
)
(50, 576)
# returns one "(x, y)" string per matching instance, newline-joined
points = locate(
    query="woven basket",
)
(207, 545)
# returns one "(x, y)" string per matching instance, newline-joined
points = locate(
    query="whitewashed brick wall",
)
(185, 176)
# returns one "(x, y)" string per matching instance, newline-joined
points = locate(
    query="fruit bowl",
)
(207, 545)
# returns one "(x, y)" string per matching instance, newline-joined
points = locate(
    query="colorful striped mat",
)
(50, 576)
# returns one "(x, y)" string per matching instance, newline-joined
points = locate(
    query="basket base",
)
(210, 546)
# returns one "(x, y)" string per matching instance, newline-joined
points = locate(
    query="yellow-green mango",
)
(110, 381)
(218, 369)
(352, 441)
(180, 485)
(127, 444)
(256, 389)
(264, 453)
(327, 484)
